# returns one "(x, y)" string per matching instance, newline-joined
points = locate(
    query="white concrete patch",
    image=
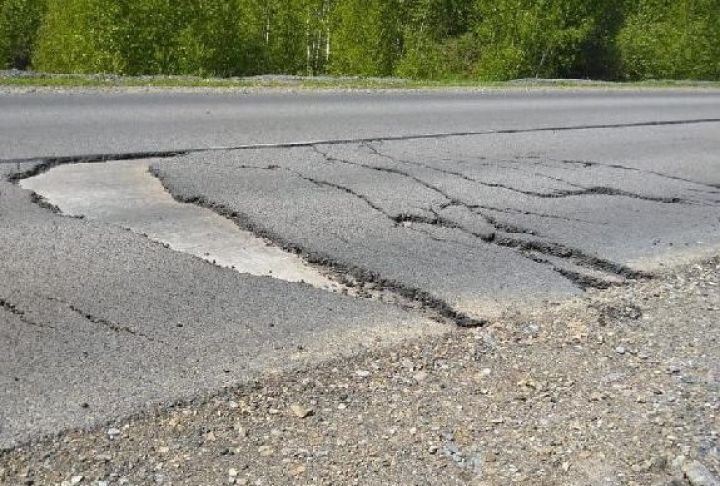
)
(126, 194)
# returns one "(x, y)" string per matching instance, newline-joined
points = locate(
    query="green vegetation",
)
(19, 22)
(460, 40)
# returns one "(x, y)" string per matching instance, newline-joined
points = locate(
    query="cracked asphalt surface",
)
(99, 322)
(475, 221)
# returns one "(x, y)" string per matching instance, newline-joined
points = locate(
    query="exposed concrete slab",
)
(126, 194)
(94, 314)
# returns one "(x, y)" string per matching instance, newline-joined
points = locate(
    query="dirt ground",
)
(618, 387)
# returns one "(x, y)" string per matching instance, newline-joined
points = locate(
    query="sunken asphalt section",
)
(99, 322)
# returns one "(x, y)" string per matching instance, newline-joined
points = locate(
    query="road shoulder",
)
(617, 387)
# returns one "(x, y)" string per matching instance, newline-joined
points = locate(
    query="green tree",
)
(366, 37)
(81, 36)
(436, 42)
(531, 38)
(671, 39)
(425, 39)
(19, 23)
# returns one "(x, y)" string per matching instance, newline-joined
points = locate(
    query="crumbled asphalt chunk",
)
(531, 399)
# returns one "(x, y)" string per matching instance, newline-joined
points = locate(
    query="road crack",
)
(504, 231)
(116, 328)
(22, 315)
(587, 164)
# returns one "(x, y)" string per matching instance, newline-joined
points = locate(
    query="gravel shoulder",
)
(616, 387)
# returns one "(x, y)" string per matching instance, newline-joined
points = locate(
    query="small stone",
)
(433, 449)
(300, 411)
(530, 328)
(678, 463)
(265, 451)
(420, 376)
(698, 475)
(163, 449)
(297, 470)
(113, 432)
(362, 373)
(620, 350)
(232, 472)
(104, 457)
(76, 479)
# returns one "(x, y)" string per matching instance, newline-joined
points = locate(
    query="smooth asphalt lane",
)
(67, 124)
(98, 321)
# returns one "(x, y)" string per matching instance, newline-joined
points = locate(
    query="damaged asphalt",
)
(472, 221)
(100, 322)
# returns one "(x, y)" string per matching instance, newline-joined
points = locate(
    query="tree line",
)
(423, 39)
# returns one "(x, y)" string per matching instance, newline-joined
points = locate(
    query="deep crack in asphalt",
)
(586, 270)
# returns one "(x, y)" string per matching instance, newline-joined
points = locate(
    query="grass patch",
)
(318, 83)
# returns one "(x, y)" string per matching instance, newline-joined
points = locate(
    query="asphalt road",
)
(41, 125)
(99, 321)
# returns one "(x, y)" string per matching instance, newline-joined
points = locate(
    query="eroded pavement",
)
(102, 320)
(476, 222)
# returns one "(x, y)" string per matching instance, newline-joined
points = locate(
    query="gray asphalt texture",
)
(92, 122)
(99, 322)
(476, 221)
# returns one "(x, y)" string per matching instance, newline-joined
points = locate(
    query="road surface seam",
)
(535, 249)
(22, 315)
(117, 328)
(525, 248)
(549, 248)
(588, 163)
(424, 298)
(90, 158)
(580, 191)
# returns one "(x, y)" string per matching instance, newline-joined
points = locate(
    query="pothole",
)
(124, 193)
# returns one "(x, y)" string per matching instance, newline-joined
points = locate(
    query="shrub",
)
(19, 22)
(671, 39)
(366, 37)
(424, 39)
(80, 36)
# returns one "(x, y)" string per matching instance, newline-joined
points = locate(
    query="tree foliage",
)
(429, 39)
(671, 39)
(19, 22)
